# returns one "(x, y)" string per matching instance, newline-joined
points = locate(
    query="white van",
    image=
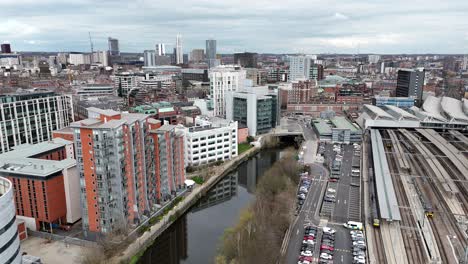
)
(353, 225)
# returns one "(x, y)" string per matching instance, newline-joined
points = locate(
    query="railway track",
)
(444, 224)
(413, 245)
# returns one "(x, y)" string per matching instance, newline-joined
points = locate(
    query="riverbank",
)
(138, 246)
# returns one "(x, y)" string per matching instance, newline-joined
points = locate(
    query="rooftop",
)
(322, 126)
(20, 161)
(343, 123)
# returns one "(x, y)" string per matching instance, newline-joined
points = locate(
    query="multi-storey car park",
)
(416, 172)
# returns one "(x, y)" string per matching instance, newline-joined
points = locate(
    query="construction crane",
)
(92, 50)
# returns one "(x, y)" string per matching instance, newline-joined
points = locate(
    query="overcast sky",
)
(288, 26)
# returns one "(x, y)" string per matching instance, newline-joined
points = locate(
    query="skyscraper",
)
(410, 83)
(197, 55)
(6, 48)
(179, 54)
(113, 46)
(300, 67)
(210, 49)
(211, 53)
(160, 49)
(149, 57)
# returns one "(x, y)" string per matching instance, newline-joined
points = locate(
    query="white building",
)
(79, 58)
(299, 66)
(9, 240)
(160, 49)
(149, 57)
(373, 58)
(179, 52)
(210, 140)
(222, 80)
(101, 57)
(126, 81)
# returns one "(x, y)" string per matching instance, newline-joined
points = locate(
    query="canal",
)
(195, 237)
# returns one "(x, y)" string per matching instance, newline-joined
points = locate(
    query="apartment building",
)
(210, 140)
(31, 117)
(224, 79)
(45, 183)
(128, 167)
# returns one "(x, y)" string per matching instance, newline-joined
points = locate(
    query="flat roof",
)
(20, 161)
(386, 196)
(343, 123)
(322, 126)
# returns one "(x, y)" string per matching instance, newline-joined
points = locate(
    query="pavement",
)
(53, 252)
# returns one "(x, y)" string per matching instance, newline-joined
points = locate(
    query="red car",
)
(304, 258)
(332, 180)
(327, 247)
(309, 237)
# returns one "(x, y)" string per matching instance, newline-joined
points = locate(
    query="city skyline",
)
(260, 26)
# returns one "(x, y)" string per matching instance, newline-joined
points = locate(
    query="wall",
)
(242, 134)
(71, 182)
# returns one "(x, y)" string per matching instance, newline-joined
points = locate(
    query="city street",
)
(310, 210)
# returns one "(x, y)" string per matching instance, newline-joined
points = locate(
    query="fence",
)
(64, 239)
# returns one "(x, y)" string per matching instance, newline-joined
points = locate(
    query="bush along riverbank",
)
(258, 235)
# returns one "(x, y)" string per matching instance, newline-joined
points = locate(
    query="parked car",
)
(306, 253)
(333, 179)
(326, 256)
(329, 230)
(326, 247)
(329, 200)
(304, 258)
(301, 196)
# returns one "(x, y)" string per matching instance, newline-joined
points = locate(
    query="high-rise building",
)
(210, 49)
(79, 58)
(222, 80)
(129, 166)
(179, 54)
(246, 59)
(124, 82)
(465, 63)
(31, 117)
(113, 46)
(149, 57)
(9, 239)
(256, 109)
(160, 49)
(101, 57)
(300, 67)
(6, 48)
(197, 55)
(410, 83)
(45, 181)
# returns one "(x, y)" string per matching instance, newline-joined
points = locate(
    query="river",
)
(195, 237)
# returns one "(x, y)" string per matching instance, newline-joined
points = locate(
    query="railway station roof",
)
(399, 113)
(453, 108)
(386, 197)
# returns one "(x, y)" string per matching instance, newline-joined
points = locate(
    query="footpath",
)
(138, 246)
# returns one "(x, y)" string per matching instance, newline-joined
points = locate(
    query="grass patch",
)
(241, 148)
(198, 180)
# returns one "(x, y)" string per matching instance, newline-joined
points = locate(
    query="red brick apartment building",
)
(129, 165)
(45, 183)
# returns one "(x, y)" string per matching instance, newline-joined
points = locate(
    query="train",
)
(427, 206)
(373, 201)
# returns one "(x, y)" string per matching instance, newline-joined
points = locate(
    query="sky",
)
(263, 26)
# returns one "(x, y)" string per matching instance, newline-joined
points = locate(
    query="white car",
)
(357, 236)
(306, 253)
(359, 243)
(359, 258)
(329, 230)
(354, 232)
(303, 189)
(360, 261)
(303, 262)
(308, 242)
(326, 256)
(331, 190)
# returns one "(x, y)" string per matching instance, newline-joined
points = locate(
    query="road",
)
(310, 210)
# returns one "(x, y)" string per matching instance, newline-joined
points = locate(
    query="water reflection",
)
(171, 246)
(194, 238)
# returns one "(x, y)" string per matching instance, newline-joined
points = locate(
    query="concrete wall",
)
(71, 181)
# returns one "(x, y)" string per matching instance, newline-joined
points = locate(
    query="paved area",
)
(54, 251)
